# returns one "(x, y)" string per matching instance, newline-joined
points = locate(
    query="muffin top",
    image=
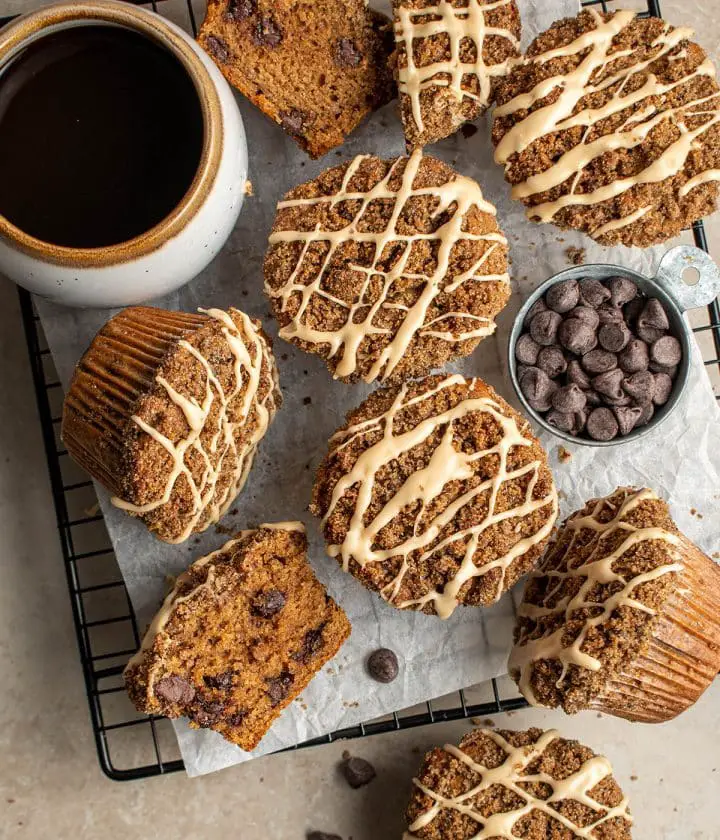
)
(529, 785)
(611, 125)
(386, 268)
(590, 606)
(435, 493)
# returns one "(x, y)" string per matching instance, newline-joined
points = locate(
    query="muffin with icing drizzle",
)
(435, 493)
(386, 268)
(611, 125)
(526, 785)
(166, 410)
(623, 615)
(242, 633)
(447, 59)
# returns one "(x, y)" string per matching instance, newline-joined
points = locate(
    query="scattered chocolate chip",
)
(221, 681)
(609, 384)
(175, 689)
(563, 296)
(538, 388)
(602, 424)
(640, 386)
(562, 420)
(321, 835)
(593, 293)
(382, 665)
(586, 315)
(599, 361)
(526, 349)
(279, 687)
(609, 315)
(267, 603)
(357, 771)
(307, 400)
(535, 309)
(267, 33)
(634, 356)
(666, 351)
(347, 55)
(217, 48)
(544, 327)
(613, 337)
(311, 644)
(293, 121)
(576, 336)
(552, 360)
(569, 399)
(622, 290)
(627, 417)
(468, 130)
(648, 412)
(576, 374)
(662, 388)
(241, 9)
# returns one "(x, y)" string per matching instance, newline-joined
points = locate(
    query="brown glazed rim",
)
(16, 34)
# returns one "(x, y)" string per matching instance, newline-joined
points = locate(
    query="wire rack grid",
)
(134, 746)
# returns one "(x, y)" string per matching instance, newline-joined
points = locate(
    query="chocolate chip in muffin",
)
(347, 55)
(268, 603)
(175, 689)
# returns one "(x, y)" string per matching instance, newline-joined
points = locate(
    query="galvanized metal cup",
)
(671, 287)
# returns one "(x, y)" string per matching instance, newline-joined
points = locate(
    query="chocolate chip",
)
(552, 360)
(580, 421)
(647, 415)
(221, 681)
(640, 386)
(321, 835)
(522, 370)
(662, 389)
(562, 420)
(610, 315)
(599, 361)
(544, 327)
(632, 310)
(656, 368)
(357, 771)
(576, 374)
(627, 417)
(593, 398)
(279, 687)
(586, 315)
(634, 356)
(526, 349)
(648, 334)
(654, 315)
(538, 388)
(237, 718)
(241, 9)
(293, 121)
(593, 293)
(563, 296)
(622, 290)
(217, 48)
(382, 665)
(312, 642)
(569, 399)
(267, 33)
(576, 336)
(613, 337)
(207, 712)
(175, 689)
(468, 130)
(602, 424)
(268, 603)
(535, 309)
(347, 54)
(666, 351)
(609, 384)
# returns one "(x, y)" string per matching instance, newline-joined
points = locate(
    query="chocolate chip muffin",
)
(531, 785)
(447, 59)
(386, 268)
(611, 125)
(167, 409)
(435, 493)
(318, 69)
(242, 633)
(623, 615)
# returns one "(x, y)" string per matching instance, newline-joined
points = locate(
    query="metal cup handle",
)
(670, 275)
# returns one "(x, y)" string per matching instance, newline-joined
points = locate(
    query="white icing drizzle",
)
(458, 23)
(283, 526)
(460, 192)
(512, 775)
(447, 464)
(207, 502)
(700, 178)
(596, 569)
(576, 85)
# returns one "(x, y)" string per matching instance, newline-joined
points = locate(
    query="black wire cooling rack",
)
(134, 746)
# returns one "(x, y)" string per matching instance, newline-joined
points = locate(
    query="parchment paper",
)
(681, 460)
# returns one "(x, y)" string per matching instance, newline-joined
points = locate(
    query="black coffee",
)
(100, 136)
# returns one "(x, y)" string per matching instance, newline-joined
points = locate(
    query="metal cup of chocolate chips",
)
(626, 344)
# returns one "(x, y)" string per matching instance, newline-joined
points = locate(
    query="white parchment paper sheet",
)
(681, 460)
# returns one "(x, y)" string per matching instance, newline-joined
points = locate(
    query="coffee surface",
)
(101, 135)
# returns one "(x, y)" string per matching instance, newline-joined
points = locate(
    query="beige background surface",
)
(50, 782)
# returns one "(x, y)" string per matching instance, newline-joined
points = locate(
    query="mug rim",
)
(32, 25)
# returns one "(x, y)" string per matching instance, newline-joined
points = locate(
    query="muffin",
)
(318, 69)
(435, 493)
(447, 59)
(166, 410)
(242, 633)
(505, 784)
(611, 126)
(386, 268)
(623, 615)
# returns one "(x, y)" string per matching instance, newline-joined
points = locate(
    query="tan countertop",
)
(50, 782)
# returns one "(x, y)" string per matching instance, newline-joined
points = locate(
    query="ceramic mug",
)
(172, 252)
